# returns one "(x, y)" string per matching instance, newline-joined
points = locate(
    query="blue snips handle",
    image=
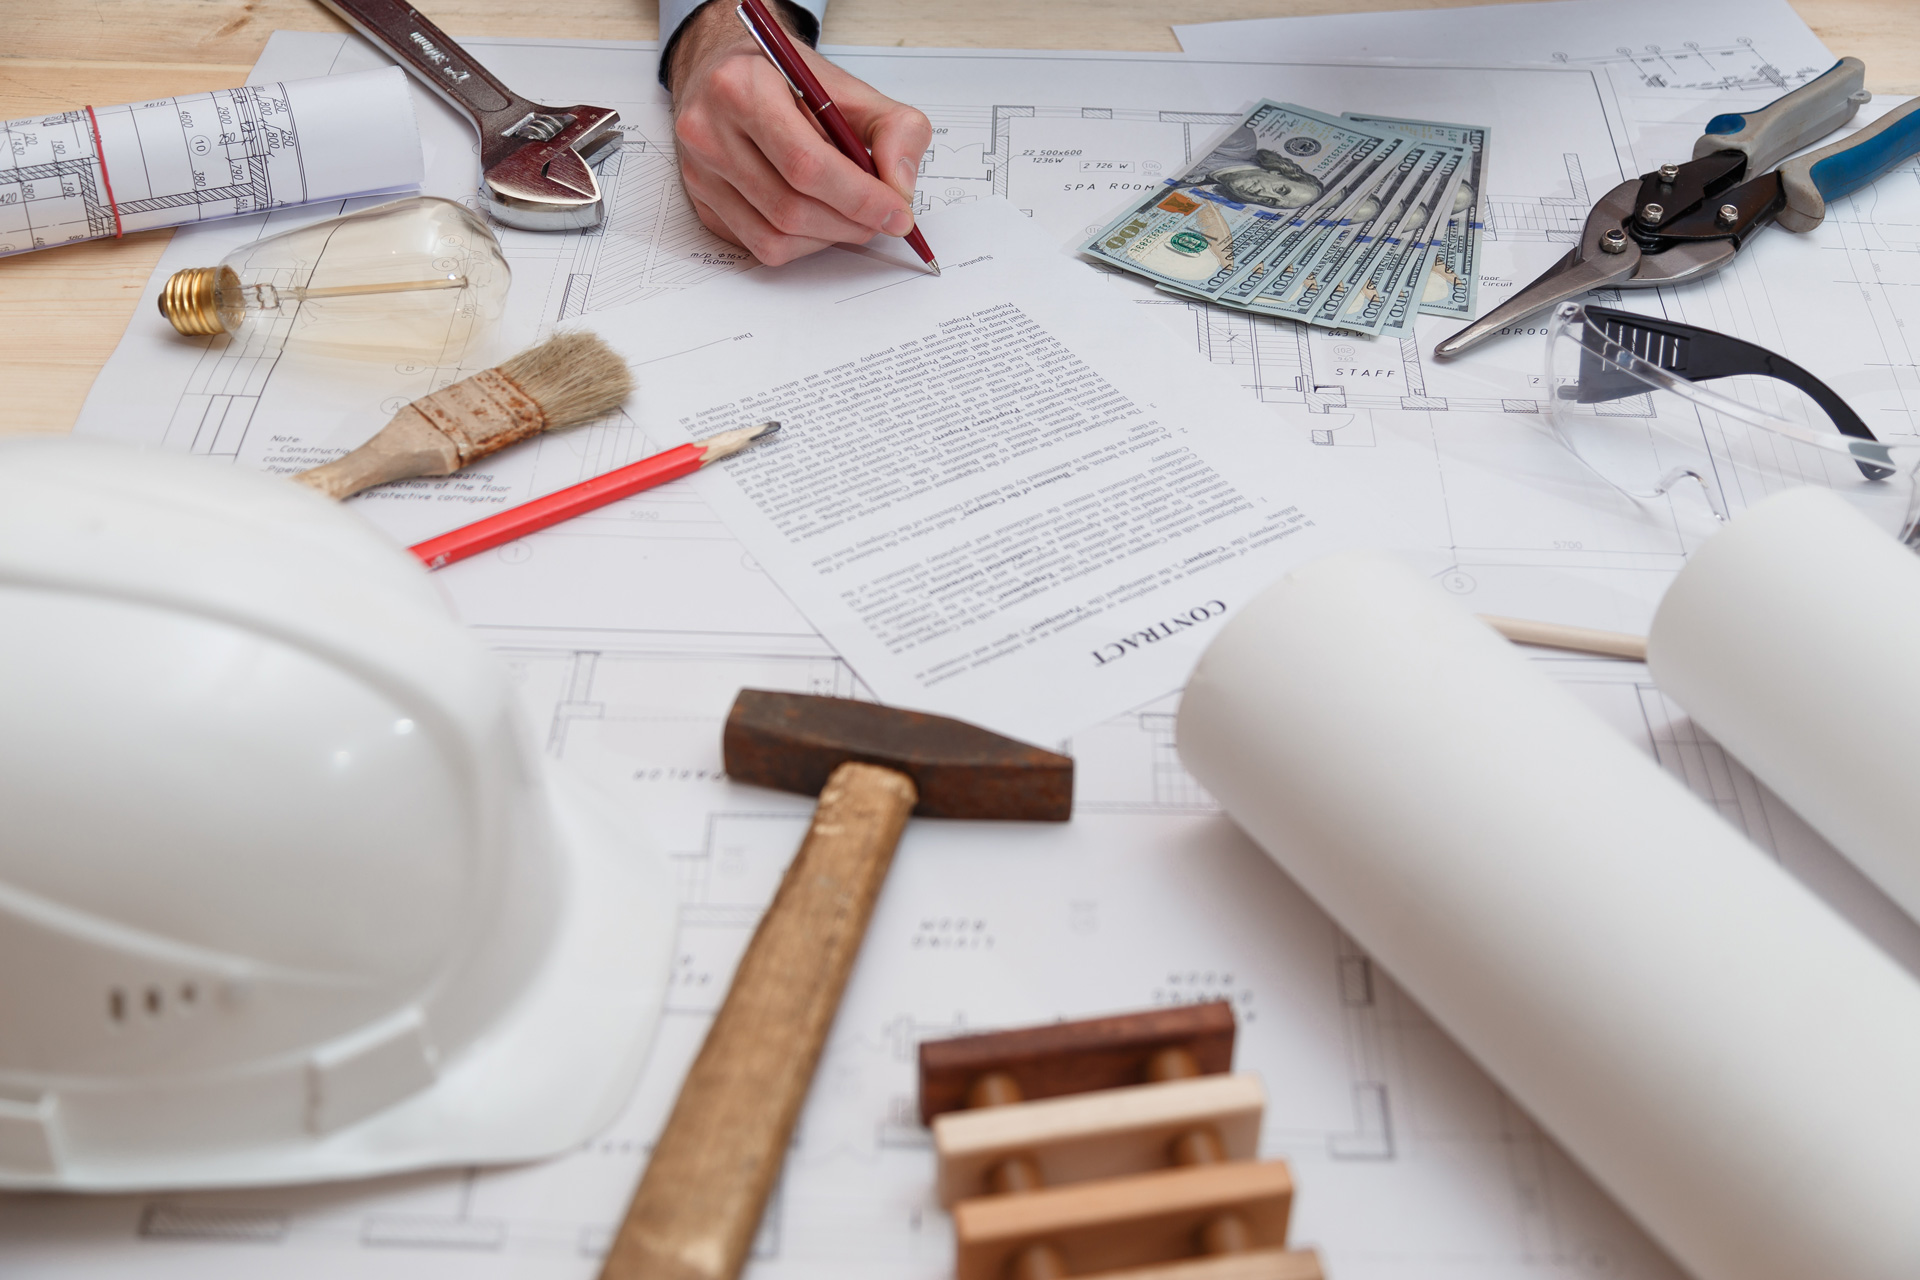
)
(1785, 125)
(1846, 166)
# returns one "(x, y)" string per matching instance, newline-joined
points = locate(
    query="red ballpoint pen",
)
(773, 41)
(588, 495)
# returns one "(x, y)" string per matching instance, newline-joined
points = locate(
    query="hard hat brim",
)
(555, 1069)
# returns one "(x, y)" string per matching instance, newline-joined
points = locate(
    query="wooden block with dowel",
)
(1094, 1227)
(1114, 1147)
(1071, 1057)
(1103, 1134)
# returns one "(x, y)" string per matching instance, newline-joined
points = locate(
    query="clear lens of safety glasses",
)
(1627, 397)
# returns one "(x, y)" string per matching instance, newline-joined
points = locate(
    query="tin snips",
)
(535, 161)
(1684, 221)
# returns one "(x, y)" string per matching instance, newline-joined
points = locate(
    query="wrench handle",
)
(443, 66)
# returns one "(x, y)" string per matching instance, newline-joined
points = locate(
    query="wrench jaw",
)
(549, 184)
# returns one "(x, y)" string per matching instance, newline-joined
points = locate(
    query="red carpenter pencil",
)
(564, 504)
(773, 42)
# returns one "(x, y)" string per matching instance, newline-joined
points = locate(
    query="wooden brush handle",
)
(406, 449)
(436, 435)
(706, 1185)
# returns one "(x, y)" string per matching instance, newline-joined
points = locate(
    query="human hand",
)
(759, 171)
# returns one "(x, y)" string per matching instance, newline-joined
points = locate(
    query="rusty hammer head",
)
(793, 741)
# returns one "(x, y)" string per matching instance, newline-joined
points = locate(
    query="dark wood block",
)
(1074, 1057)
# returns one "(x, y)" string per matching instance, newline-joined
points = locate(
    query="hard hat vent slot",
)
(153, 999)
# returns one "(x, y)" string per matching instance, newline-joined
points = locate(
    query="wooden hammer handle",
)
(706, 1185)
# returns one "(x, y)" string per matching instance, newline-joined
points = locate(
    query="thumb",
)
(897, 135)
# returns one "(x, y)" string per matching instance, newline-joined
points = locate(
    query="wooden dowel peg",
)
(1555, 635)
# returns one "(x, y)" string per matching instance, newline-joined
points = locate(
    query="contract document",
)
(992, 495)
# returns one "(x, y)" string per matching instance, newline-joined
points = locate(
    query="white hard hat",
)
(285, 891)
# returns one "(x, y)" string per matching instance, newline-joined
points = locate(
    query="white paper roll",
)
(1722, 1052)
(1793, 637)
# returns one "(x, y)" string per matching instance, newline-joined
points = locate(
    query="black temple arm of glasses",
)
(1701, 355)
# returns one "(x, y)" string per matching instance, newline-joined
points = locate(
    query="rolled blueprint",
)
(1723, 1053)
(106, 171)
(1793, 637)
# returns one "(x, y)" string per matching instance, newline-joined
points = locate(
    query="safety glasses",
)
(1628, 399)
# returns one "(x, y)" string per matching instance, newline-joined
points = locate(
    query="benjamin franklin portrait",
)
(1247, 173)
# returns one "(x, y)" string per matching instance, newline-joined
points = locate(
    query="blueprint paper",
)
(1485, 498)
(996, 498)
(104, 171)
(1715, 45)
(1411, 1164)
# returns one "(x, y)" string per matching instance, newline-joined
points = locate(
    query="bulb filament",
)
(268, 297)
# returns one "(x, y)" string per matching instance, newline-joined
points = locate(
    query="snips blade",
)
(1597, 262)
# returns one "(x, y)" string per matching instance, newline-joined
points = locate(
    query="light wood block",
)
(1105, 1134)
(1074, 1057)
(1255, 1264)
(1122, 1222)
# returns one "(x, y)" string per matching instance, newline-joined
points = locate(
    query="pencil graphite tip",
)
(728, 443)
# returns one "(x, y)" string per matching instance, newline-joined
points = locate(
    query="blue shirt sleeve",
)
(674, 13)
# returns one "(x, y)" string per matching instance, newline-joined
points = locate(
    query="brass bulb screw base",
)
(191, 299)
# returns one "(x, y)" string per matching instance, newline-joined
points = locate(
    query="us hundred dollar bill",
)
(1297, 290)
(1316, 224)
(1401, 298)
(1363, 299)
(1453, 287)
(1223, 211)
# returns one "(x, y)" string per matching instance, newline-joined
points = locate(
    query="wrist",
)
(714, 29)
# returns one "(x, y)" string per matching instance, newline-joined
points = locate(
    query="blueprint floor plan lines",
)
(649, 243)
(55, 199)
(1554, 218)
(230, 152)
(1738, 66)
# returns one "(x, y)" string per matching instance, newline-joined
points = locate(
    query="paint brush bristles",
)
(575, 376)
(570, 378)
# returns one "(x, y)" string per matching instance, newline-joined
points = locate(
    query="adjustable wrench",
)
(534, 159)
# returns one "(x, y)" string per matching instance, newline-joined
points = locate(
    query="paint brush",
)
(570, 378)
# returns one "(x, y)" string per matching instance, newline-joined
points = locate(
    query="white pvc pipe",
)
(1793, 637)
(1723, 1053)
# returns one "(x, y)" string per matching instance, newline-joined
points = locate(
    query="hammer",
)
(706, 1186)
(534, 159)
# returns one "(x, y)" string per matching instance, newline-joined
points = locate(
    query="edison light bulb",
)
(416, 280)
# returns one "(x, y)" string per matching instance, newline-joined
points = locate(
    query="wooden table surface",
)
(63, 310)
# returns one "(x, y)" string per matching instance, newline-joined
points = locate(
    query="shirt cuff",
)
(804, 14)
